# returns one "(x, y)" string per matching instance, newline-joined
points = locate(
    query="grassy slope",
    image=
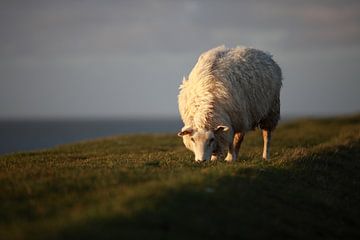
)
(147, 186)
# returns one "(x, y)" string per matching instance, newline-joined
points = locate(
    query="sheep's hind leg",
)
(267, 139)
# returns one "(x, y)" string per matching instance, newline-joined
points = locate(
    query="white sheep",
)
(229, 92)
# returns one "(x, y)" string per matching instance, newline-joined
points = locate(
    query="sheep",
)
(229, 92)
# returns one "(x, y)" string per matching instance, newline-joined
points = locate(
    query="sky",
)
(69, 59)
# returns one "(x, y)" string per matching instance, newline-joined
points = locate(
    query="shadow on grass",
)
(311, 197)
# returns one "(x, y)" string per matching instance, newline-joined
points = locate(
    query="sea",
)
(38, 134)
(29, 135)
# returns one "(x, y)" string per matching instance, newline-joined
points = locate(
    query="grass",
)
(149, 187)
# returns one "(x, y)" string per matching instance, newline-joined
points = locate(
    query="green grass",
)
(149, 187)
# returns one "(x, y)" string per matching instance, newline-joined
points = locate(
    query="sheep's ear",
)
(185, 130)
(221, 128)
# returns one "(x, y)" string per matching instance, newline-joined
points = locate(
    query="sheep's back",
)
(238, 84)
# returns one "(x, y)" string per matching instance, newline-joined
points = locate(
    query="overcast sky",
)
(127, 58)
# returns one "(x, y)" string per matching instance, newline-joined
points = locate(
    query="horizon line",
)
(153, 117)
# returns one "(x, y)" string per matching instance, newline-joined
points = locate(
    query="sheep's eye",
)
(192, 139)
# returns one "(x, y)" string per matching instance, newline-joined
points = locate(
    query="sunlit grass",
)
(149, 187)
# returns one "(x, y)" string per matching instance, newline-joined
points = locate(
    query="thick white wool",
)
(237, 87)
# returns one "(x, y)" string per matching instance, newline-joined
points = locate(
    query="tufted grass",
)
(148, 187)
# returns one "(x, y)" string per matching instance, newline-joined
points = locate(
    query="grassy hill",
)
(149, 187)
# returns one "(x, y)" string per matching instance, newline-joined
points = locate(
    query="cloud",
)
(122, 51)
(135, 27)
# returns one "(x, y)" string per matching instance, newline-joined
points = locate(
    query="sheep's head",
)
(202, 142)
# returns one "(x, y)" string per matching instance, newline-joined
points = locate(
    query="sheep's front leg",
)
(238, 138)
(231, 155)
(267, 138)
(235, 147)
(214, 157)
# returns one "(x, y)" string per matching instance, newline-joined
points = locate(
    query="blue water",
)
(28, 135)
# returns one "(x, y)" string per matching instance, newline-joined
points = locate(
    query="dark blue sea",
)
(25, 135)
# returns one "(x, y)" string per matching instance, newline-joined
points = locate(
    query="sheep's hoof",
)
(230, 159)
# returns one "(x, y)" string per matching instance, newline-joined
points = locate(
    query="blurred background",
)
(72, 70)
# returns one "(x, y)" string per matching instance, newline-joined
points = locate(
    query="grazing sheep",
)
(229, 92)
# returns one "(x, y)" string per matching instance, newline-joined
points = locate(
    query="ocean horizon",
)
(19, 135)
(37, 134)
